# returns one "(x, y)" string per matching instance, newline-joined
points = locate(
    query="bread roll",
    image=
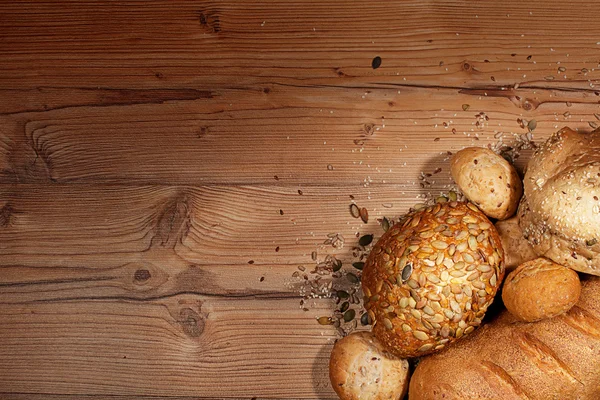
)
(360, 368)
(488, 180)
(560, 212)
(517, 249)
(556, 358)
(430, 279)
(540, 289)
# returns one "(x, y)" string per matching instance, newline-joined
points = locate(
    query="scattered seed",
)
(593, 124)
(342, 294)
(349, 315)
(345, 306)
(466, 107)
(358, 265)
(365, 240)
(364, 215)
(337, 265)
(532, 125)
(364, 319)
(376, 62)
(313, 255)
(385, 224)
(354, 210)
(324, 320)
(352, 278)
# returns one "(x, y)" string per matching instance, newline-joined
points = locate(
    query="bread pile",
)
(430, 279)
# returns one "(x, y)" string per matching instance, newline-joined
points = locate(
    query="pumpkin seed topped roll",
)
(430, 278)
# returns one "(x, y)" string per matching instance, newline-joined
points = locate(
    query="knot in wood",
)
(142, 275)
(191, 322)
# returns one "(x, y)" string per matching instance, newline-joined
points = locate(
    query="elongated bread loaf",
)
(557, 358)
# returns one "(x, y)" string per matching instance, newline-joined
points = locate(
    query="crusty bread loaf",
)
(556, 358)
(540, 289)
(361, 369)
(560, 210)
(517, 249)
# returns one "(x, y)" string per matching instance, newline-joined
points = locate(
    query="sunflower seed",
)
(385, 224)
(403, 303)
(354, 210)
(364, 215)
(388, 324)
(473, 207)
(469, 329)
(412, 283)
(459, 333)
(324, 320)
(432, 278)
(428, 310)
(455, 306)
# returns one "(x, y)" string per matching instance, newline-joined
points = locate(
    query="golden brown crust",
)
(517, 249)
(360, 368)
(488, 180)
(540, 289)
(560, 215)
(429, 280)
(555, 358)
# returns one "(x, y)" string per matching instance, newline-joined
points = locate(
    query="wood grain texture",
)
(165, 166)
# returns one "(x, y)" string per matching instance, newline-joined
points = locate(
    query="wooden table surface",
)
(166, 166)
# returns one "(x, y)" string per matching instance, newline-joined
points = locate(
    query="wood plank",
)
(316, 135)
(60, 241)
(198, 44)
(175, 346)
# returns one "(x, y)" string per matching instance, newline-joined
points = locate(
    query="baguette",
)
(556, 358)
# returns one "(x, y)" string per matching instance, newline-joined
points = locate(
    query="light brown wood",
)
(150, 150)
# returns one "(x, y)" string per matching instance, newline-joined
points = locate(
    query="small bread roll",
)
(360, 368)
(488, 180)
(540, 289)
(517, 249)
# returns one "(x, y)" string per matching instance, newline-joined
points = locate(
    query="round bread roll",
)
(560, 211)
(430, 278)
(517, 249)
(360, 368)
(540, 289)
(488, 180)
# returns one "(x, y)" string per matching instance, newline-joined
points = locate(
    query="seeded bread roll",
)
(488, 180)
(361, 369)
(555, 358)
(540, 289)
(560, 212)
(517, 249)
(430, 278)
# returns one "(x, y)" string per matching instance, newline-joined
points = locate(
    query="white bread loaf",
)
(556, 358)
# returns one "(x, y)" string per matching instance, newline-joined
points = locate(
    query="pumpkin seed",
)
(406, 328)
(439, 244)
(415, 313)
(352, 278)
(358, 265)
(345, 306)
(406, 272)
(388, 324)
(532, 125)
(452, 195)
(468, 257)
(364, 319)
(342, 294)
(420, 335)
(385, 224)
(365, 240)
(349, 315)
(472, 243)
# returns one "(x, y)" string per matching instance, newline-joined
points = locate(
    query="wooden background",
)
(150, 151)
